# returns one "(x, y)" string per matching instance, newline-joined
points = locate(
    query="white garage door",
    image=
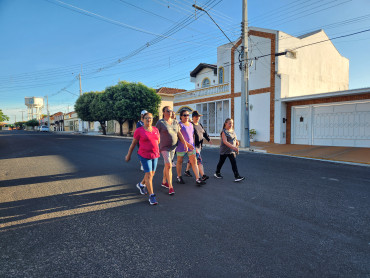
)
(342, 124)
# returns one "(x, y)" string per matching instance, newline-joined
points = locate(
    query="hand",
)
(189, 146)
(210, 141)
(127, 158)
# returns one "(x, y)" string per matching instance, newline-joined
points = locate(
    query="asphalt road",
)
(69, 208)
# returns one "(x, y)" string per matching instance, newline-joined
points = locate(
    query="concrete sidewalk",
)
(339, 154)
(342, 154)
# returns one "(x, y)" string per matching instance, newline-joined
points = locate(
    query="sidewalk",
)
(343, 154)
(339, 154)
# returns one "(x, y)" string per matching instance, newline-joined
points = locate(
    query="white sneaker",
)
(141, 168)
(173, 164)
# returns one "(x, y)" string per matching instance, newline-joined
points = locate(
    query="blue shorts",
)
(149, 165)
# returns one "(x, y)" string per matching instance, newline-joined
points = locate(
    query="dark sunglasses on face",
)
(186, 115)
(169, 111)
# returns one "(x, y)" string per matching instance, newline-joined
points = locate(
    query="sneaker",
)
(205, 177)
(188, 174)
(165, 185)
(218, 176)
(141, 188)
(173, 164)
(200, 181)
(171, 191)
(152, 200)
(141, 168)
(180, 180)
(239, 178)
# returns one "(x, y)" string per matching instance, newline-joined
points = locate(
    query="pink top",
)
(148, 142)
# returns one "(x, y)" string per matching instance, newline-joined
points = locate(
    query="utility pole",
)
(244, 140)
(22, 114)
(47, 109)
(79, 77)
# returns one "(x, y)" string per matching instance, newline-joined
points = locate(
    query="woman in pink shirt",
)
(148, 138)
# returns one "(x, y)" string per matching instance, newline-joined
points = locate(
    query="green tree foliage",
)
(3, 117)
(101, 110)
(129, 99)
(20, 124)
(82, 106)
(32, 123)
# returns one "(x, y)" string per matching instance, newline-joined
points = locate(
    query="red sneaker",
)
(165, 185)
(171, 191)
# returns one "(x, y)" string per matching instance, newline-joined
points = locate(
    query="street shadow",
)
(25, 212)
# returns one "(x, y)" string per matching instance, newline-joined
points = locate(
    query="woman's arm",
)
(130, 150)
(186, 144)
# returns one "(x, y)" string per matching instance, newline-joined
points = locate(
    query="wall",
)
(223, 60)
(317, 68)
(206, 72)
(259, 116)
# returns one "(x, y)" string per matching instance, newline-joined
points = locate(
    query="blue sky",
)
(45, 43)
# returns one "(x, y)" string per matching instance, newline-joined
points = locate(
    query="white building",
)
(299, 98)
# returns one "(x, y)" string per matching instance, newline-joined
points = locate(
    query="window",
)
(214, 115)
(205, 82)
(220, 75)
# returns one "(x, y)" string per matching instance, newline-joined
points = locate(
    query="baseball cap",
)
(195, 113)
(143, 112)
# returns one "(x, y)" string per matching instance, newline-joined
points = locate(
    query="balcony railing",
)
(214, 90)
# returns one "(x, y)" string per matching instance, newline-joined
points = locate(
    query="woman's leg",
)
(220, 163)
(233, 164)
(149, 182)
(168, 173)
(193, 162)
(179, 165)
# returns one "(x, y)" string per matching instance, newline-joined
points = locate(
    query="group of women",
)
(184, 138)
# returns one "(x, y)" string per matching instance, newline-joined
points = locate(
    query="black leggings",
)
(232, 159)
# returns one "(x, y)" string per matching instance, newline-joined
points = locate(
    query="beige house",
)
(71, 121)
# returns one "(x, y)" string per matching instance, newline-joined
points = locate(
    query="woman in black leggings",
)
(228, 149)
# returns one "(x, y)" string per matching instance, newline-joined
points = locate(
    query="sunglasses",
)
(169, 111)
(186, 115)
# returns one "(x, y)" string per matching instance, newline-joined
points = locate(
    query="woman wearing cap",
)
(199, 135)
(187, 130)
(148, 137)
(170, 134)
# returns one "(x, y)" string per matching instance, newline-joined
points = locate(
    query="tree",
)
(101, 109)
(129, 99)
(32, 123)
(3, 117)
(82, 106)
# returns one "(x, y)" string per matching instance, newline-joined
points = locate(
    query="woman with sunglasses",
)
(148, 137)
(170, 134)
(187, 130)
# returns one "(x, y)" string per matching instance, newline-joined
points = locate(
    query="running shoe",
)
(142, 168)
(171, 191)
(173, 164)
(180, 180)
(152, 200)
(141, 188)
(239, 178)
(218, 176)
(200, 182)
(188, 174)
(165, 185)
(204, 177)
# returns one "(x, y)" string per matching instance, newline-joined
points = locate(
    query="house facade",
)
(311, 75)
(71, 121)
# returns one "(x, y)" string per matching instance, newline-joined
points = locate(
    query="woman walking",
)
(169, 133)
(228, 149)
(148, 137)
(187, 130)
(199, 135)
